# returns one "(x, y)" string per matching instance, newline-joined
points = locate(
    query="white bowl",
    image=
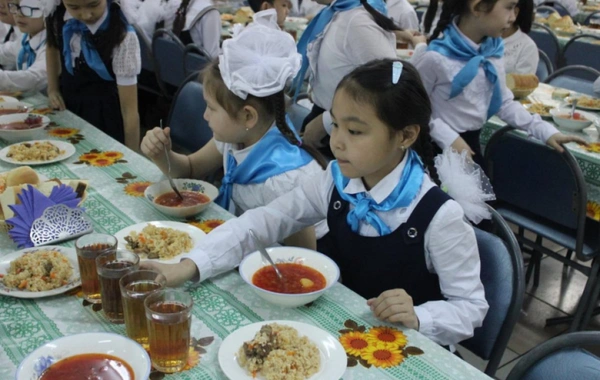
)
(160, 188)
(21, 106)
(23, 134)
(313, 259)
(570, 124)
(87, 343)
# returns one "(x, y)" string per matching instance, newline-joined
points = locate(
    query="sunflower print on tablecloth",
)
(98, 158)
(593, 210)
(136, 189)
(592, 147)
(380, 346)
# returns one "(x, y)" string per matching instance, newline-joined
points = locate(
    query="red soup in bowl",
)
(190, 198)
(84, 366)
(297, 279)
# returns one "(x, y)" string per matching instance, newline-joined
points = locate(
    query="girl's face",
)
(361, 142)
(225, 128)
(499, 19)
(86, 11)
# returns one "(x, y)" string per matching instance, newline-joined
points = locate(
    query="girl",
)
(464, 76)
(520, 52)
(93, 60)
(253, 142)
(398, 239)
(431, 17)
(282, 7)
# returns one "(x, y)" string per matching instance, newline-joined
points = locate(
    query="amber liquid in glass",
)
(112, 305)
(169, 336)
(86, 258)
(133, 309)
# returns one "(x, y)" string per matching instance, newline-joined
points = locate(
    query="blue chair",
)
(167, 50)
(189, 130)
(297, 114)
(194, 59)
(503, 279)
(557, 6)
(546, 41)
(576, 78)
(420, 9)
(545, 67)
(578, 52)
(543, 191)
(560, 358)
(145, 49)
(594, 16)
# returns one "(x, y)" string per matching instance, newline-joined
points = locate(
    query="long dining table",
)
(117, 178)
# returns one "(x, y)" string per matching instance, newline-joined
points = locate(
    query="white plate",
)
(8, 99)
(68, 148)
(73, 283)
(570, 98)
(546, 117)
(333, 356)
(195, 233)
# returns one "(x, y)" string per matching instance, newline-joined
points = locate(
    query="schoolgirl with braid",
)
(253, 140)
(398, 239)
(464, 75)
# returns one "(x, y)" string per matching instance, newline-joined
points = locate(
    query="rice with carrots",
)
(39, 271)
(277, 352)
(159, 242)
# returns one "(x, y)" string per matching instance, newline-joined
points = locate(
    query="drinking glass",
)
(89, 247)
(111, 267)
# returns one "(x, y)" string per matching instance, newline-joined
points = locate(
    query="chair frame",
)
(572, 340)
(558, 7)
(159, 33)
(565, 69)
(147, 44)
(190, 78)
(591, 16)
(193, 49)
(545, 7)
(554, 40)
(563, 56)
(544, 58)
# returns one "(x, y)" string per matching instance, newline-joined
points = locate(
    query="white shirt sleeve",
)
(33, 78)
(127, 62)
(367, 43)
(207, 33)
(408, 20)
(453, 254)
(528, 57)
(9, 52)
(224, 248)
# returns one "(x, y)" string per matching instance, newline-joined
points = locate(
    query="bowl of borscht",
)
(306, 275)
(197, 196)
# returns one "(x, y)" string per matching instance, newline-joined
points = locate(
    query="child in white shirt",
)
(282, 7)
(399, 241)
(28, 55)
(464, 75)
(520, 52)
(403, 13)
(254, 143)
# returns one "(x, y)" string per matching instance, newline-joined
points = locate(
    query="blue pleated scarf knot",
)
(364, 206)
(318, 25)
(453, 45)
(27, 51)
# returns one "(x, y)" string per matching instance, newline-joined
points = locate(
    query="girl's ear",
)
(477, 8)
(408, 135)
(249, 116)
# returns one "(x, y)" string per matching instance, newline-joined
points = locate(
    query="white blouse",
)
(450, 247)
(520, 54)
(31, 78)
(403, 14)
(126, 60)
(468, 110)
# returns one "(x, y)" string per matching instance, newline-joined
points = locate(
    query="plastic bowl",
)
(160, 188)
(86, 343)
(254, 261)
(21, 134)
(572, 124)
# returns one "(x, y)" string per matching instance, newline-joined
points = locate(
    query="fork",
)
(171, 182)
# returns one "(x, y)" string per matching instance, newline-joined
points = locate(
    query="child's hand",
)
(56, 101)
(558, 139)
(155, 141)
(176, 274)
(395, 306)
(459, 145)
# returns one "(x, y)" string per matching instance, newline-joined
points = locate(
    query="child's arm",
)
(131, 118)
(34, 78)
(207, 33)
(9, 52)
(53, 68)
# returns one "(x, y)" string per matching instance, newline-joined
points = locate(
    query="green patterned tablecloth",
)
(221, 305)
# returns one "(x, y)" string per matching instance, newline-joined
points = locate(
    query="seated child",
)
(281, 6)
(398, 239)
(520, 51)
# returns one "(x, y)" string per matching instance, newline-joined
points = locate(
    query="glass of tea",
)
(135, 287)
(111, 267)
(89, 247)
(169, 314)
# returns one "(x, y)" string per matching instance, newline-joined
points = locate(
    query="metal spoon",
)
(265, 254)
(169, 170)
(573, 105)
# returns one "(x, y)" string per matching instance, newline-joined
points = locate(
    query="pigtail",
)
(424, 148)
(54, 24)
(278, 104)
(108, 40)
(430, 15)
(179, 22)
(525, 18)
(384, 22)
(449, 10)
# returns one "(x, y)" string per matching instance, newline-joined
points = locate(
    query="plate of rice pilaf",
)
(282, 350)
(164, 241)
(39, 272)
(37, 152)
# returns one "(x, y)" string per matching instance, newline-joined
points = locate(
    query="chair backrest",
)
(189, 130)
(558, 6)
(297, 114)
(194, 59)
(546, 41)
(582, 52)
(545, 67)
(504, 283)
(145, 49)
(560, 358)
(576, 78)
(167, 50)
(537, 180)
(593, 17)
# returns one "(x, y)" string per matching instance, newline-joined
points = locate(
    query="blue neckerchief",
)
(317, 26)
(27, 50)
(91, 55)
(271, 156)
(364, 207)
(454, 46)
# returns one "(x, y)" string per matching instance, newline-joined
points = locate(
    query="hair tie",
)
(396, 71)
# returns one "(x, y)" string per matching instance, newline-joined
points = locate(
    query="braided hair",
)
(525, 18)
(383, 21)
(397, 105)
(453, 8)
(430, 15)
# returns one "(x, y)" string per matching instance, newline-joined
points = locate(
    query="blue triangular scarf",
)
(317, 26)
(364, 206)
(454, 46)
(27, 50)
(271, 156)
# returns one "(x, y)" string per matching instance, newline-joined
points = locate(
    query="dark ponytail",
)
(430, 15)
(384, 22)
(453, 8)
(180, 15)
(525, 18)
(54, 24)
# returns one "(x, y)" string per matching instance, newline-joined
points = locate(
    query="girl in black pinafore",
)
(100, 84)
